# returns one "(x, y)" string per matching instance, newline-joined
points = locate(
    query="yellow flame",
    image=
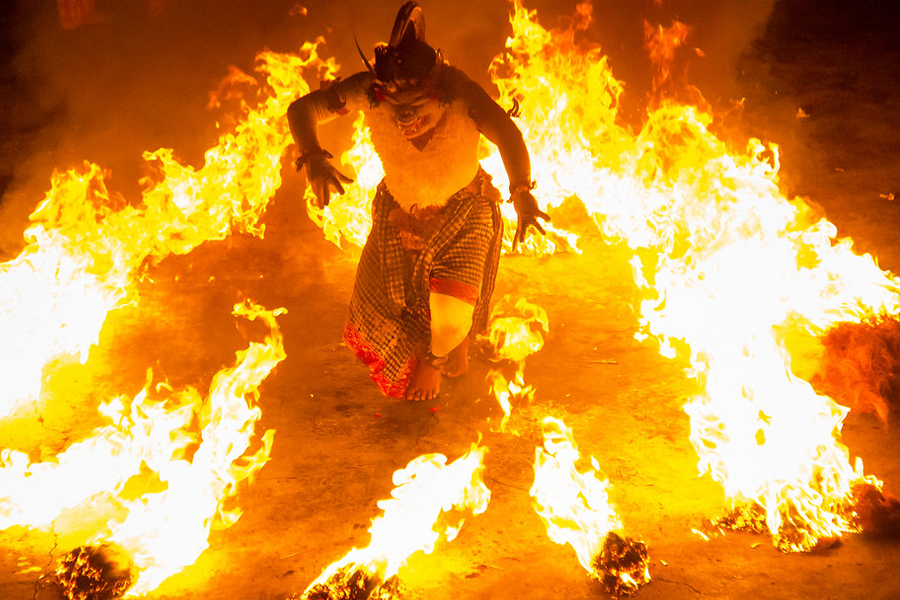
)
(574, 505)
(426, 488)
(726, 265)
(87, 247)
(515, 331)
(349, 216)
(195, 448)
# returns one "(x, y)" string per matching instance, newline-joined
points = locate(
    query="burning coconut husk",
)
(749, 517)
(575, 507)
(861, 364)
(353, 583)
(102, 572)
(622, 566)
(790, 537)
(430, 502)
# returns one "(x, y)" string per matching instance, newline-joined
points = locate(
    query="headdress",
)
(407, 61)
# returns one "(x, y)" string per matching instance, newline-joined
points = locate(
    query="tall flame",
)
(194, 449)
(575, 507)
(515, 331)
(87, 246)
(726, 265)
(349, 216)
(426, 487)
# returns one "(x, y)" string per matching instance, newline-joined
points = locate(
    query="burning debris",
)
(102, 572)
(515, 331)
(622, 565)
(750, 518)
(428, 503)
(167, 528)
(865, 509)
(350, 583)
(575, 507)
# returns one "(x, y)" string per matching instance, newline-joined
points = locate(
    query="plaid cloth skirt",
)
(453, 249)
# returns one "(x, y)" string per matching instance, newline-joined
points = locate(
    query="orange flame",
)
(514, 333)
(661, 43)
(87, 247)
(575, 506)
(426, 487)
(162, 531)
(349, 217)
(726, 265)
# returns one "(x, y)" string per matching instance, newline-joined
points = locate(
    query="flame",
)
(87, 246)
(661, 43)
(726, 264)
(349, 217)
(426, 487)
(515, 331)
(195, 449)
(575, 505)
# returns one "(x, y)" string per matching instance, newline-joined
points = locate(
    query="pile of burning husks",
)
(353, 583)
(575, 507)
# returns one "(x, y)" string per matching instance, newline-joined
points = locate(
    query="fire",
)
(515, 331)
(726, 264)
(191, 454)
(87, 246)
(426, 488)
(661, 44)
(349, 217)
(575, 507)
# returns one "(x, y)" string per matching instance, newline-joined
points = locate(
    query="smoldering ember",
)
(685, 386)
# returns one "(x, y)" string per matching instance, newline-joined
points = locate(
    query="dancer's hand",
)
(528, 213)
(324, 178)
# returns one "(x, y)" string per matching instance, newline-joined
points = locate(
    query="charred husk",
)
(94, 573)
(622, 565)
(352, 583)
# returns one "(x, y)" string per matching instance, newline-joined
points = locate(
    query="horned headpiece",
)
(407, 61)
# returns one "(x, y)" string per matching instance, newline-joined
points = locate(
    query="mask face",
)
(414, 111)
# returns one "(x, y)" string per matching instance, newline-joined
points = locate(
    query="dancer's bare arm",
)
(498, 127)
(332, 100)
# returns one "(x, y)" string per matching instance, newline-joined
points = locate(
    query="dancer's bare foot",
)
(458, 360)
(425, 383)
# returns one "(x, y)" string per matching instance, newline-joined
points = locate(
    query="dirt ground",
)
(337, 439)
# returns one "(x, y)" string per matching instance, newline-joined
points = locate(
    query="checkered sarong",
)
(389, 309)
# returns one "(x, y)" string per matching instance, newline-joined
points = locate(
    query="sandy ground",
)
(338, 441)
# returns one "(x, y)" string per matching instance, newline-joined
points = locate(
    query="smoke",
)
(137, 76)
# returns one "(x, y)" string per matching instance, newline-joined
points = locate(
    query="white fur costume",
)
(427, 177)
